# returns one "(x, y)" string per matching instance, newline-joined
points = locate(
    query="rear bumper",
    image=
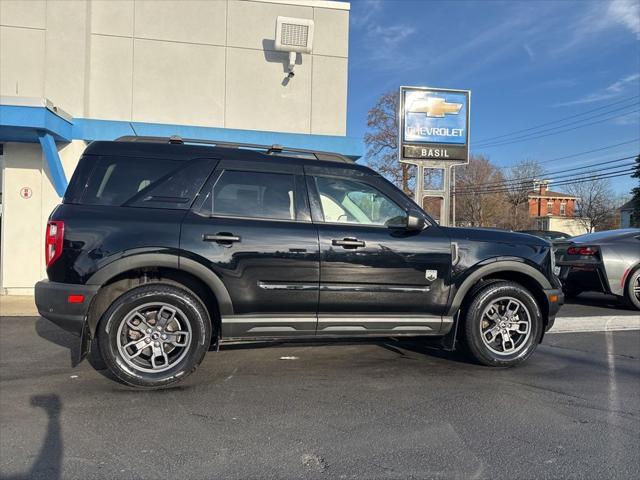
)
(52, 303)
(553, 306)
(584, 278)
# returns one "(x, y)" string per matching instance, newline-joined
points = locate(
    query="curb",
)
(603, 323)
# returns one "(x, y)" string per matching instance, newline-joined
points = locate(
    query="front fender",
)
(495, 267)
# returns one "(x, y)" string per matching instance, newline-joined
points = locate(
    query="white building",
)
(73, 71)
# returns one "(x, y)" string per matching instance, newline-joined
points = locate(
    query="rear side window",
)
(254, 195)
(143, 182)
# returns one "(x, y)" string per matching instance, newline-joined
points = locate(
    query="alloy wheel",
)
(154, 337)
(505, 326)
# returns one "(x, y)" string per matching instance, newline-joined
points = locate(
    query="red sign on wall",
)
(26, 192)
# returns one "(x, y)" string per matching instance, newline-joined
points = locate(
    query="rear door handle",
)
(348, 243)
(222, 237)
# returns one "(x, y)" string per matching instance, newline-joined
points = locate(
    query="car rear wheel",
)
(502, 324)
(632, 295)
(154, 335)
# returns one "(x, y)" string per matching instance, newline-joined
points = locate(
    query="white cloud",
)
(616, 89)
(600, 18)
(529, 50)
(382, 41)
(627, 13)
(364, 11)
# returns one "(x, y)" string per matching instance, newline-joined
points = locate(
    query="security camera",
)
(293, 35)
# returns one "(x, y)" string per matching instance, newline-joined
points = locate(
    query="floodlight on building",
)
(294, 35)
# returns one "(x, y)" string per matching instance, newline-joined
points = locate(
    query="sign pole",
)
(446, 201)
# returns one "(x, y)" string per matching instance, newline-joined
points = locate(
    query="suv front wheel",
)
(154, 335)
(502, 325)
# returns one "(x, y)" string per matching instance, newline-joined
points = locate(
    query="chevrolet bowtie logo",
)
(434, 107)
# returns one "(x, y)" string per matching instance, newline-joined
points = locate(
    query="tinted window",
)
(348, 201)
(138, 182)
(177, 189)
(115, 180)
(254, 194)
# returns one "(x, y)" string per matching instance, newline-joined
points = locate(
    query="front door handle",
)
(221, 237)
(348, 243)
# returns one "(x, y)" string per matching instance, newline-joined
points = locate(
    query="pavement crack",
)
(631, 357)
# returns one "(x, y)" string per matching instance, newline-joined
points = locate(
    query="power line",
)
(556, 132)
(525, 188)
(485, 143)
(581, 179)
(578, 154)
(558, 174)
(557, 121)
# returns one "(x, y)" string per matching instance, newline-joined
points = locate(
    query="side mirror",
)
(415, 223)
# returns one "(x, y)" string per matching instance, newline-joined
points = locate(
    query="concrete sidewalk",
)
(17, 306)
(600, 323)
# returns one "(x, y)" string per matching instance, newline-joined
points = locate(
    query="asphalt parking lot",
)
(384, 409)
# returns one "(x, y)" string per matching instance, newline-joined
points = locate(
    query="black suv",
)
(164, 248)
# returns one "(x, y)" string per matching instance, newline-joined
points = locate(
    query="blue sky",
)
(526, 62)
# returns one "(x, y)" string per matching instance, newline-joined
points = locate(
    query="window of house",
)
(549, 206)
(563, 208)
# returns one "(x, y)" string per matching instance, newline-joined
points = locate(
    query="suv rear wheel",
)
(154, 335)
(502, 325)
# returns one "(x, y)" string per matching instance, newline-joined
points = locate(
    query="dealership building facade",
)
(72, 72)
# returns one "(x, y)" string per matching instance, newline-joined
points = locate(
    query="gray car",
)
(607, 262)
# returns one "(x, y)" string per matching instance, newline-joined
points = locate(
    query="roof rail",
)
(269, 149)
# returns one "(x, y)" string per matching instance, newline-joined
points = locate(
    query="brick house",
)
(544, 202)
(554, 211)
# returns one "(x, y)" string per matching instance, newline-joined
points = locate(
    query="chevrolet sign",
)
(434, 124)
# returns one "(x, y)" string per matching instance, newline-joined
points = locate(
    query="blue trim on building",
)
(91, 129)
(28, 124)
(50, 152)
(21, 124)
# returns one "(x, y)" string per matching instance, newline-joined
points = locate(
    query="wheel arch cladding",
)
(518, 272)
(127, 273)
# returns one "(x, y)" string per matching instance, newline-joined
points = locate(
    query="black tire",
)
(474, 319)
(630, 294)
(190, 322)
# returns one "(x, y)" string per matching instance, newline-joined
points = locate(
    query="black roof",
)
(160, 147)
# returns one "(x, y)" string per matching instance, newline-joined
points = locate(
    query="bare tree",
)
(381, 140)
(521, 179)
(594, 205)
(475, 207)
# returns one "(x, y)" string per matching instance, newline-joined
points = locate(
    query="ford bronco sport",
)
(165, 248)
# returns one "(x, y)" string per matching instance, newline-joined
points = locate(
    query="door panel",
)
(387, 274)
(268, 260)
(370, 264)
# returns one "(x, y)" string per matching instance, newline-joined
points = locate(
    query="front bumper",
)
(52, 300)
(553, 306)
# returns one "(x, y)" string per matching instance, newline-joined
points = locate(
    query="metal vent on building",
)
(294, 35)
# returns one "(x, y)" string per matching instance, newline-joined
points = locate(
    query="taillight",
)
(53, 241)
(584, 251)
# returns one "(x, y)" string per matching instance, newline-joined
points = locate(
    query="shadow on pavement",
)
(48, 463)
(600, 300)
(423, 345)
